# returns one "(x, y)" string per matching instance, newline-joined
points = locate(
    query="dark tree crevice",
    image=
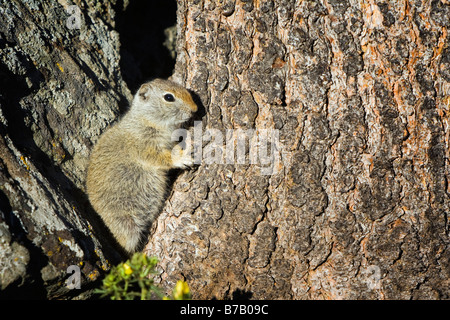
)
(141, 27)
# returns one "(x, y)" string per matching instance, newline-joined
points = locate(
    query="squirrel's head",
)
(163, 102)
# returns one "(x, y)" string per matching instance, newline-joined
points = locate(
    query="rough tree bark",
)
(357, 206)
(359, 91)
(60, 86)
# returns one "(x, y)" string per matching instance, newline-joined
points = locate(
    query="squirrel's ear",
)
(144, 92)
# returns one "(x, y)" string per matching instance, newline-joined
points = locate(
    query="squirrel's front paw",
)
(181, 158)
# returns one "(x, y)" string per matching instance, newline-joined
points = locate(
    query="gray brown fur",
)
(127, 173)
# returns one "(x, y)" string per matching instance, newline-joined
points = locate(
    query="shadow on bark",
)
(141, 27)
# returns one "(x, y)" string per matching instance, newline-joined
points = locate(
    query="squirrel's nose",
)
(193, 106)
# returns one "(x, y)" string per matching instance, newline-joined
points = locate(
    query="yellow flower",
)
(181, 290)
(127, 269)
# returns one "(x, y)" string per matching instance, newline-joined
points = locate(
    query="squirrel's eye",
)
(169, 97)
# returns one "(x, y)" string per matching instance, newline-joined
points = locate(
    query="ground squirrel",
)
(127, 173)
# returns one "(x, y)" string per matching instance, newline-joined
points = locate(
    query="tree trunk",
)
(357, 207)
(349, 198)
(60, 86)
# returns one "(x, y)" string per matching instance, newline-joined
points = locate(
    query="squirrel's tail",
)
(129, 231)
